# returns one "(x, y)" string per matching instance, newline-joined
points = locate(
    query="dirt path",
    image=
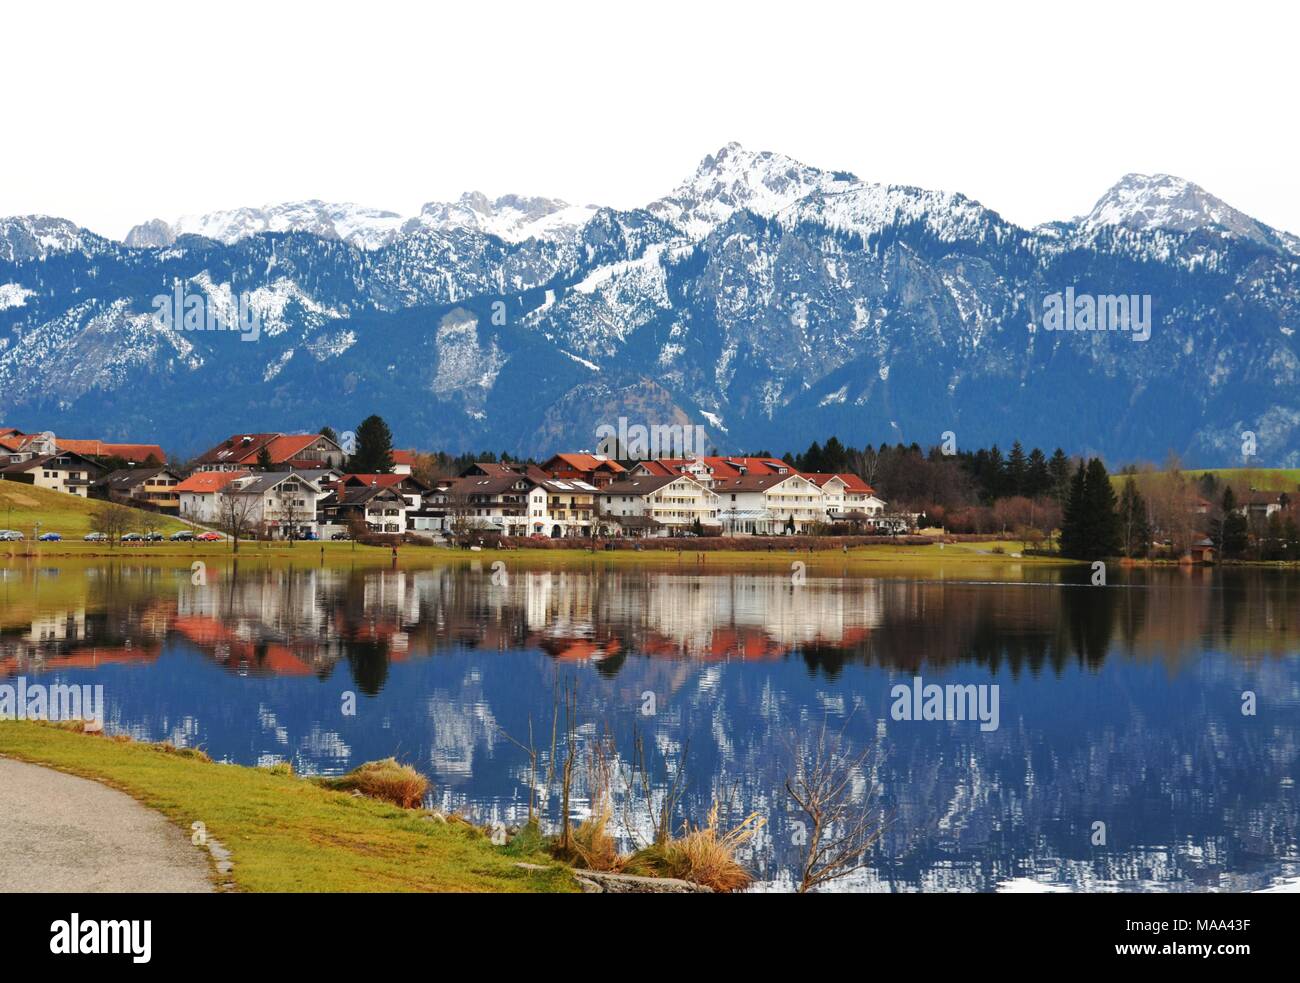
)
(63, 833)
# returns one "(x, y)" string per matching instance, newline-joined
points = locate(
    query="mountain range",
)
(773, 302)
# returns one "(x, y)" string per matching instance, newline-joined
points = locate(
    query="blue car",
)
(51, 537)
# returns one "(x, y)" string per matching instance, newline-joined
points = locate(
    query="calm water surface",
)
(1120, 705)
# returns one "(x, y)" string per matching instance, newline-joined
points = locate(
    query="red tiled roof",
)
(101, 448)
(246, 448)
(381, 480)
(203, 482)
(729, 467)
(587, 462)
(405, 457)
(856, 484)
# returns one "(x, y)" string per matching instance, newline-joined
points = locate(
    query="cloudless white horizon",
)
(117, 115)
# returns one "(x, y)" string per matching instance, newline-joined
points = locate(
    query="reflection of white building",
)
(61, 626)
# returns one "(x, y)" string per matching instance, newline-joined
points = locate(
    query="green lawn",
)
(286, 833)
(22, 506)
(1263, 479)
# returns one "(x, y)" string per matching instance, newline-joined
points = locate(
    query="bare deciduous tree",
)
(831, 785)
(239, 515)
(112, 520)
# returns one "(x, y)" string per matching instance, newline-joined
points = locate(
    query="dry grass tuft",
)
(591, 846)
(192, 753)
(703, 856)
(387, 780)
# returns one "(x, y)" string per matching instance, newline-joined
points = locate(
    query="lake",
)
(1147, 732)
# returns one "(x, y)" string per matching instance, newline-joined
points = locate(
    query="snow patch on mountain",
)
(464, 362)
(13, 295)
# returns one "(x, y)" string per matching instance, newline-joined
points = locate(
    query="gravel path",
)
(63, 833)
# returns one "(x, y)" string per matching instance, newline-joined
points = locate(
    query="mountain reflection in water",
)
(1119, 705)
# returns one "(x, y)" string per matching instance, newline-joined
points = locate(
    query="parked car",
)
(95, 537)
(51, 537)
(133, 537)
(339, 536)
(209, 537)
(183, 536)
(153, 537)
(10, 535)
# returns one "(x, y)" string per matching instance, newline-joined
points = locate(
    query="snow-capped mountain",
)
(511, 218)
(736, 179)
(1161, 201)
(773, 302)
(36, 237)
(365, 227)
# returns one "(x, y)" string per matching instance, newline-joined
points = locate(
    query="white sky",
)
(114, 114)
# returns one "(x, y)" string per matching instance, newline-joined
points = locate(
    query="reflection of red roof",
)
(203, 482)
(274, 657)
(579, 649)
(92, 657)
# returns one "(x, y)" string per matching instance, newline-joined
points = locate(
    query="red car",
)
(209, 537)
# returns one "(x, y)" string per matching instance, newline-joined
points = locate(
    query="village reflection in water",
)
(1119, 705)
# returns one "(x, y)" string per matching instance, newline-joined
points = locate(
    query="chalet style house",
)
(241, 452)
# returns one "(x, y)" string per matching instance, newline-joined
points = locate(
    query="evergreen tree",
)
(1059, 470)
(374, 454)
(1017, 471)
(264, 462)
(1233, 532)
(835, 458)
(993, 479)
(1106, 538)
(329, 433)
(1038, 479)
(1135, 530)
(1090, 529)
(1290, 539)
(1073, 533)
(811, 458)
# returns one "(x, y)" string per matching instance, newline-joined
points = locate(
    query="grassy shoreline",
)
(286, 833)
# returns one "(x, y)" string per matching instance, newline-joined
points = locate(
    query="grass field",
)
(286, 833)
(23, 506)
(882, 559)
(1263, 479)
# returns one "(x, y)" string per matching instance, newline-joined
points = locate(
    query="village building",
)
(156, 487)
(134, 455)
(276, 504)
(404, 461)
(769, 504)
(675, 503)
(594, 469)
(382, 508)
(244, 452)
(64, 472)
(199, 495)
